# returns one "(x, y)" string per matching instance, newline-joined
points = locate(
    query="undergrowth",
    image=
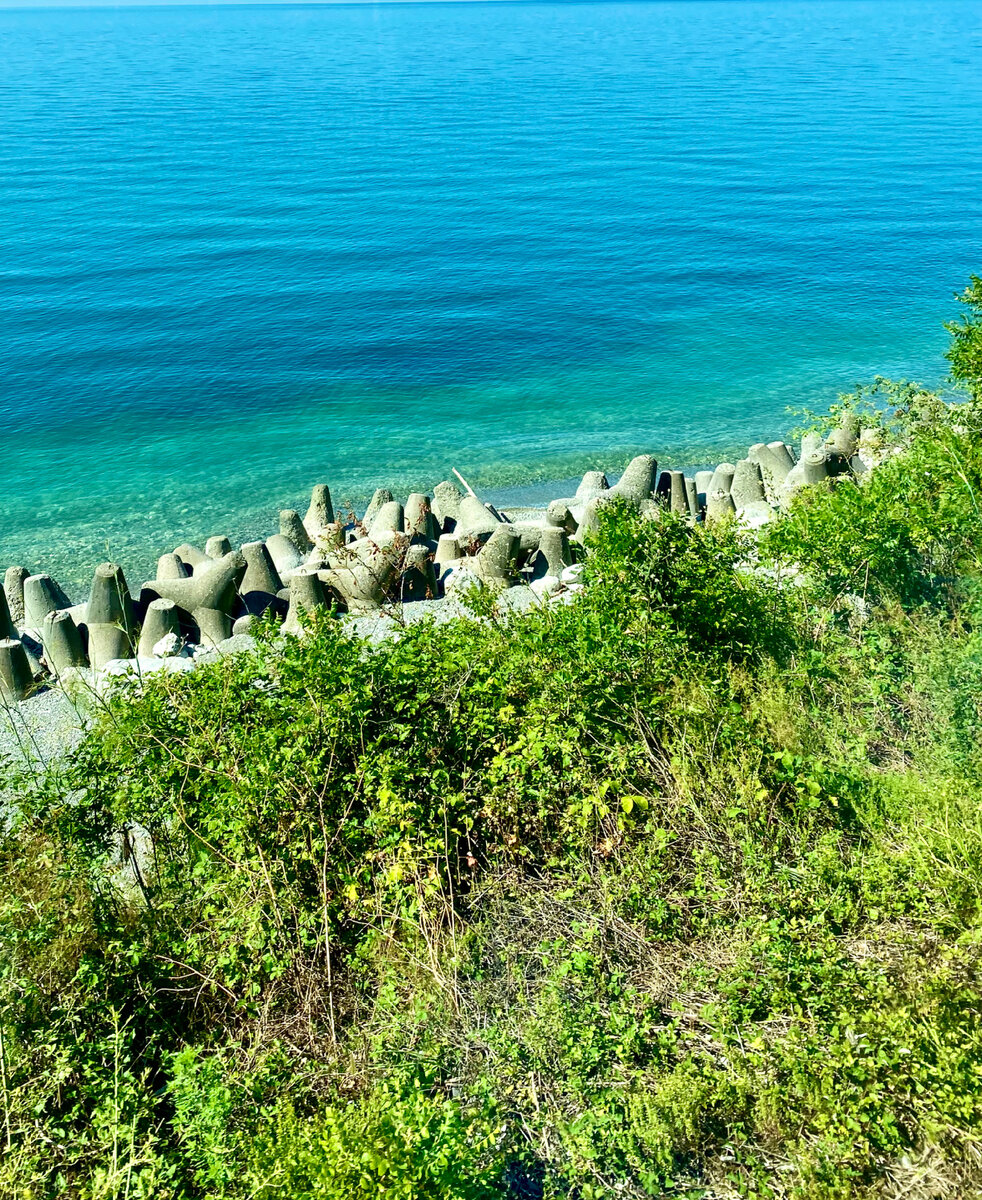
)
(670, 891)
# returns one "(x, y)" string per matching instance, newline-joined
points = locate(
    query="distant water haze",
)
(248, 249)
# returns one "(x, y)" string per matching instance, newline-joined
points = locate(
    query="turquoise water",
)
(246, 249)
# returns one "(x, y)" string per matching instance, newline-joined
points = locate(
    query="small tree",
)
(965, 351)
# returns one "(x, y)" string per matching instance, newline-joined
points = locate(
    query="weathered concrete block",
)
(307, 595)
(554, 553)
(814, 466)
(773, 467)
(320, 512)
(475, 523)
(40, 598)
(283, 554)
(638, 481)
(391, 518)
(191, 555)
(418, 576)
(447, 551)
(109, 599)
(172, 566)
(560, 515)
(293, 528)
(719, 502)
(381, 497)
(446, 505)
(495, 562)
(261, 581)
(161, 619)
(747, 485)
(7, 629)
(62, 643)
(365, 581)
(13, 585)
(419, 523)
(16, 678)
(593, 484)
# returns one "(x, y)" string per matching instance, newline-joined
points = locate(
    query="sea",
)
(247, 249)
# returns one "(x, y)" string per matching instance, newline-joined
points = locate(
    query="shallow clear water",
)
(246, 249)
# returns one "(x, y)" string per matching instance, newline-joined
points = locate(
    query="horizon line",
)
(109, 6)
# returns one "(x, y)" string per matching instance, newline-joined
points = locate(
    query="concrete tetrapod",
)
(390, 518)
(554, 553)
(678, 500)
(172, 566)
(703, 480)
(590, 521)
(109, 598)
(161, 619)
(559, 515)
(722, 478)
(16, 678)
(718, 505)
(293, 528)
(419, 521)
(593, 484)
(529, 532)
(330, 541)
(363, 583)
(41, 596)
(446, 505)
(447, 551)
(747, 485)
(495, 561)
(320, 512)
(637, 484)
(773, 467)
(844, 441)
(719, 502)
(7, 629)
(62, 643)
(192, 555)
(13, 585)
(476, 523)
(381, 497)
(814, 466)
(261, 582)
(209, 597)
(307, 594)
(284, 555)
(217, 546)
(782, 452)
(109, 616)
(693, 499)
(418, 576)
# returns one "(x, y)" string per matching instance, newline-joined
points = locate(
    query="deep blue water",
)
(246, 249)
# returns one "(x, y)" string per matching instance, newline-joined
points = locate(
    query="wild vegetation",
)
(671, 891)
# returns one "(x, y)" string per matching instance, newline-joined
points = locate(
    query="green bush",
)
(965, 352)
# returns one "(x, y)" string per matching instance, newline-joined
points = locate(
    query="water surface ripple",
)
(246, 249)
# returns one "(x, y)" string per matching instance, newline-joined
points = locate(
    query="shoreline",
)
(422, 549)
(72, 553)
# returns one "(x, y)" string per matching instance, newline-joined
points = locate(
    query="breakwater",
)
(436, 547)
